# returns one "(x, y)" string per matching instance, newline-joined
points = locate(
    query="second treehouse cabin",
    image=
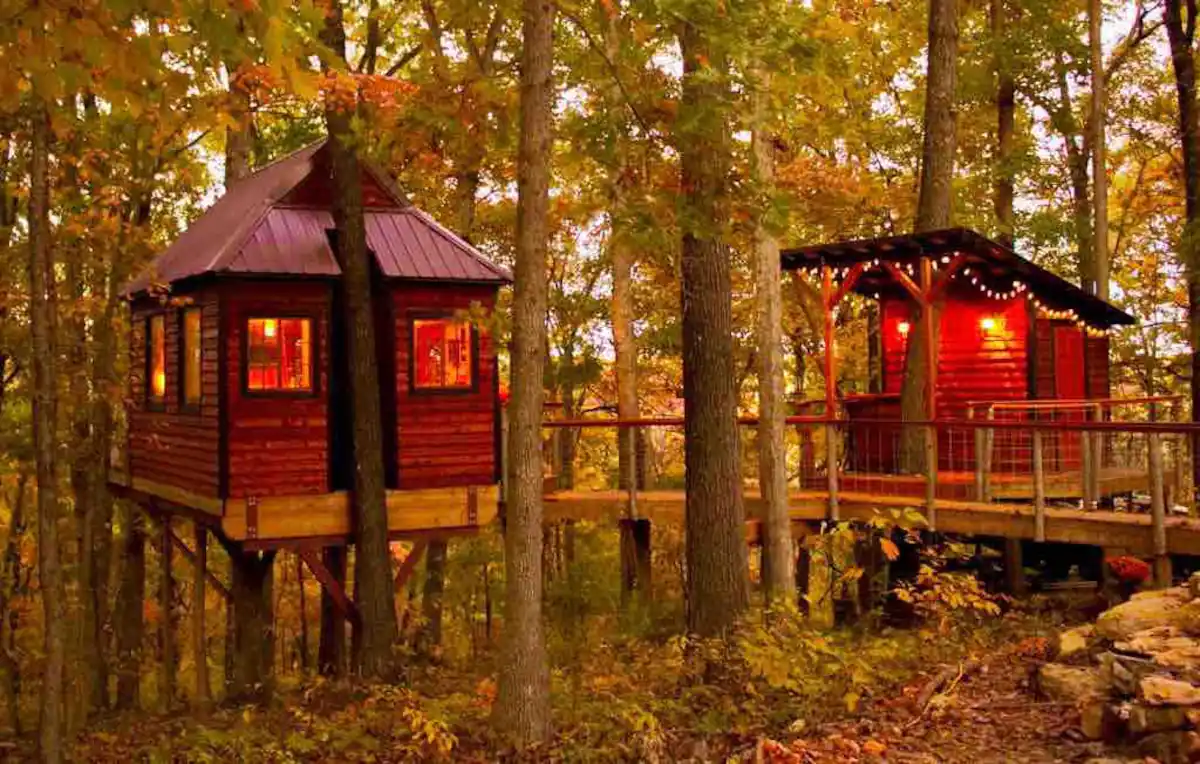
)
(239, 398)
(1013, 342)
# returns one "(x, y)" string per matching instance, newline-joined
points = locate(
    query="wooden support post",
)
(1014, 566)
(931, 352)
(989, 443)
(343, 603)
(1087, 466)
(166, 601)
(831, 434)
(410, 563)
(931, 471)
(632, 478)
(1039, 489)
(203, 695)
(802, 563)
(1158, 512)
(190, 556)
(979, 471)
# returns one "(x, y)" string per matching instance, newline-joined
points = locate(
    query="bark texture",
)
(778, 577)
(522, 708)
(429, 635)
(717, 589)
(373, 588)
(1099, 154)
(1006, 99)
(1180, 17)
(331, 652)
(42, 310)
(251, 577)
(128, 617)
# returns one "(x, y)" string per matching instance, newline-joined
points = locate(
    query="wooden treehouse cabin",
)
(238, 406)
(1013, 343)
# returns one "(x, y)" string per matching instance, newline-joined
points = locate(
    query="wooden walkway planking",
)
(1128, 531)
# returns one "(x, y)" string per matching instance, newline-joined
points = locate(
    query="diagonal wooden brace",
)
(410, 563)
(332, 586)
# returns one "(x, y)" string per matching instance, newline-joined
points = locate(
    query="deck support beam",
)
(345, 606)
(203, 693)
(1014, 566)
(831, 433)
(192, 558)
(410, 563)
(926, 299)
(166, 599)
(1158, 511)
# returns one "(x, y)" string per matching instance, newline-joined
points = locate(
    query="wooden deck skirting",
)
(1132, 532)
(285, 519)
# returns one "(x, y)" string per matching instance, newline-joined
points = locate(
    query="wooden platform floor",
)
(1120, 530)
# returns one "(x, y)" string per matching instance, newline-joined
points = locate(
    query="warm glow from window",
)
(903, 328)
(441, 350)
(988, 324)
(191, 356)
(279, 354)
(157, 351)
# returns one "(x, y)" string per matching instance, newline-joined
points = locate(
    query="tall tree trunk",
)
(129, 621)
(1006, 100)
(429, 636)
(331, 651)
(12, 586)
(1099, 153)
(933, 210)
(778, 577)
(1181, 33)
(251, 576)
(45, 438)
(373, 587)
(522, 710)
(717, 588)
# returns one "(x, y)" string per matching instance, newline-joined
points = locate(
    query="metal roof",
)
(992, 262)
(248, 231)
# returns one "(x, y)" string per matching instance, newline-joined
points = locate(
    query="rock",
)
(1122, 673)
(1160, 690)
(1076, 641)
(1100, 720)
(1123, 621)
(1071, 684)
(1193, 585)
(1181, 593)
(1171, 747)
(1144, 719)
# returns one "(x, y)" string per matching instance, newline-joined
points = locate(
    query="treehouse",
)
(238, 406)
(1013, 342)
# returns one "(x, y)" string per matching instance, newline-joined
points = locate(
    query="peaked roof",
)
(996, 265)
(260, 227)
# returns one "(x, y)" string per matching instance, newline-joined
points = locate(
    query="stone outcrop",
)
(1135, 676)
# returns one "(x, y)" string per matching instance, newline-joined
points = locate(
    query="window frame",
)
(153, 402)
(425, 315)
(314, 357)
(186, 406)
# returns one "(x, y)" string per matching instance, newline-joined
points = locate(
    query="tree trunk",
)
(331, 652)
(11, 579)
(373, 587)
(717, 588)
(933, 211)
(45, 437)
(1099, 154)
(1006, 99)
(1181, 36)
(251, 575)
(203, 695)
(166, 607)
(778, 578)
(128, 616)
(429, 636)
(522, 710)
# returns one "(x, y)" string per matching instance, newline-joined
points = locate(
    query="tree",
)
(778, 576)
(716, 587)
(1180, 16)
(1099, 153)
(1006, 111)
(374, 588)
(522, 707)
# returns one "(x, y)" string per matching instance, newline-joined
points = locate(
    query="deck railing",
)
(1040, 462)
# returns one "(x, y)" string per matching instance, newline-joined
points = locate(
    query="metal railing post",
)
(1039, 489)
(1158, 511)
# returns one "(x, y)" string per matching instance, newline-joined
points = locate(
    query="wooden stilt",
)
(331, 585)
(410, 562)
(831, 433)
(190, 556)
(203, 694)
(166, 598)
(1014, 567)
(1158, 512)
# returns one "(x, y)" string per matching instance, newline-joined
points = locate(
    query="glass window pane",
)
(441, 353)
(191, 356)
(158, 358)
(279, 354)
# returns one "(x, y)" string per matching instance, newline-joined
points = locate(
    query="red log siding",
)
(973, 365)
(173, 446)
(278, 444)
(444, 439)
(1043, 364)
(1096, 350)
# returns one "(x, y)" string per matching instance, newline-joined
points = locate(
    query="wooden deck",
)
(1130, 532)
(281, 520)
(1004, 486)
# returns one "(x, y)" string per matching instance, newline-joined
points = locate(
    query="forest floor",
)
(853, 697)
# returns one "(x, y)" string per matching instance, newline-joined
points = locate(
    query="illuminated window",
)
(156, 359)
(191, 355)
(442, 353)
(279, 354)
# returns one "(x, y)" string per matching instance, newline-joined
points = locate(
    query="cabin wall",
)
(444, 438)
(171, 445)
(278, 443)
(1098, 381)
(974, 364)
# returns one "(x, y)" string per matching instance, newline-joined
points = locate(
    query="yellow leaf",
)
(889, 548)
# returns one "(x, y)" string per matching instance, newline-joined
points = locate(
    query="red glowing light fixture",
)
(903, 328)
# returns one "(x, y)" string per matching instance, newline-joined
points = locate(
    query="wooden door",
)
(1070, 383)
